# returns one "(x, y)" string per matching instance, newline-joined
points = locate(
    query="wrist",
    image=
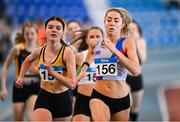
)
(3, 88)
(85, 63)
(51, 71)
(20, 78)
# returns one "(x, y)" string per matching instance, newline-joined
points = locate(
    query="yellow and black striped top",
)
(21, 57)
(58, 65)
(29, 77)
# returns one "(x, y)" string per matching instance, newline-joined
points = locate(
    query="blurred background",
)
(160, 23)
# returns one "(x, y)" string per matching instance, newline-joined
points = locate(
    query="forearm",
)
(24, 68)
(85, 65)
(82, 72)
(4, 78)
(4, 73)
(89, 56)
(89, 60)
(142, 51)
(34, 68)
(69, 82)
(132, 66)
(142, 57)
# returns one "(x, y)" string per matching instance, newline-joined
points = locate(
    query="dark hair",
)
(57, 19)
(83, 46)
(95, 27)
(19, 38)
(138, 26)
(83, 36)
(75, 21)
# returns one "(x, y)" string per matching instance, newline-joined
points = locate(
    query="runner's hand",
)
(19, 83)
(3, 94)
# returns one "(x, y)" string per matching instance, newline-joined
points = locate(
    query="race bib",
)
(90, 76)
(106, 66)
(46, 76)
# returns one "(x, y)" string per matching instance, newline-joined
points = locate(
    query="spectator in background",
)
(136, 82)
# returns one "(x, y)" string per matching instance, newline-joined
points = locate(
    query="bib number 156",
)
(106, 69)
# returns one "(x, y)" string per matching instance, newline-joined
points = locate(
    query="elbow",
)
(73, 87)
(137, 71)
(73, 84)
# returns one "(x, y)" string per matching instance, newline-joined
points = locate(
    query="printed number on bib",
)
(90, 76)
(106, 66)
(46, 76)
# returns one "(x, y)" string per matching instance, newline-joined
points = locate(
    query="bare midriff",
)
(86, 89)
(53, 87)
(112, 88)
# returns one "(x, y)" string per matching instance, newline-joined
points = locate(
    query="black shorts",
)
(135, 82)
(74, 91)
(60, 105)
(82, 105)
(22, 94)
(115, 104)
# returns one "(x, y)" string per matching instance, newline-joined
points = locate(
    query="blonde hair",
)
(29, 24)
(20, 37)
(126, 19)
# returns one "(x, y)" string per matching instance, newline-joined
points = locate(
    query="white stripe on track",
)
(162, 99)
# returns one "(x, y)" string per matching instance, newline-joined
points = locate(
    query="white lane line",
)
(162, 99)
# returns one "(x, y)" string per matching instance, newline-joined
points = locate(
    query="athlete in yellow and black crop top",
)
(61, 100)
(54, 100)
(20, 58)
(30, 77)
(31, 80)
(57, 64)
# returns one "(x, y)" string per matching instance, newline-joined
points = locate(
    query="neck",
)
(31, 46)
(53, 47)
(114, 39)
(137, 38)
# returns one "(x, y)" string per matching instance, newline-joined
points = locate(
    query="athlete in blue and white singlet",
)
(107, 64)
(113, 56)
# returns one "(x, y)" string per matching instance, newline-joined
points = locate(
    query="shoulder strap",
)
(119, 46)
